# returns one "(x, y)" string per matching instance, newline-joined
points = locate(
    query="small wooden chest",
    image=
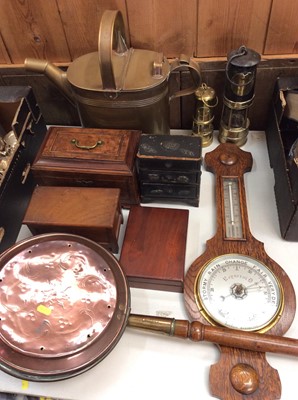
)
(90, 158)
(169, 168)
(91, 212)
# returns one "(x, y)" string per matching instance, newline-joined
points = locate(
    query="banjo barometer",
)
(235, 284)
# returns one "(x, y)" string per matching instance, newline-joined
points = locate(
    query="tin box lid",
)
(170, 146)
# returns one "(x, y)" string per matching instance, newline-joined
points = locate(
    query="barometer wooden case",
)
(235, 284)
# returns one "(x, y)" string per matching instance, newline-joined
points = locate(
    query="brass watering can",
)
(119, 87)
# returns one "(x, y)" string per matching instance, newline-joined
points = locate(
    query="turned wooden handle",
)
(197, 332)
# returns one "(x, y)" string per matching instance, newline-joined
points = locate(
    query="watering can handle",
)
(185, 63)
(111, 28)
(112, 32)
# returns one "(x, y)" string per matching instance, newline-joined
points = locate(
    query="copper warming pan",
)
(64, 306)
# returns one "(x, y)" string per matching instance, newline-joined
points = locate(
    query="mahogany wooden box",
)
(94, 213)
(153, 250)
(91, 158)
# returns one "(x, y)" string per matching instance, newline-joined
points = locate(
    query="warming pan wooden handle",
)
(197, 332)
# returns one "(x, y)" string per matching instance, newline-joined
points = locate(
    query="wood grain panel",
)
(283, 28)
(4, 56)
(167, 26)
(81, 20)
(32, 28)
(224, 25)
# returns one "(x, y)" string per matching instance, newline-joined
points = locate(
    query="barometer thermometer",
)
(233, 222)
(235, 284)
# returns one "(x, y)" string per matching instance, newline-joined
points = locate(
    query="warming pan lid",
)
(64, 304)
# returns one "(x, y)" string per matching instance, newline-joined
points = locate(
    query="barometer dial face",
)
(239, 292)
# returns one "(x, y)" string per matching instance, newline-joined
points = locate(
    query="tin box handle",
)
(111, 33)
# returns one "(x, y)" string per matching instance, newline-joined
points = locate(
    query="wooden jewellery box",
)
(91, 158)
(94, 213)
(169, 168)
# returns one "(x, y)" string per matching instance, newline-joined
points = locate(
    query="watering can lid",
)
(132, 70)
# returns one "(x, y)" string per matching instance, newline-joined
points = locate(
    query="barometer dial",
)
(239, 292)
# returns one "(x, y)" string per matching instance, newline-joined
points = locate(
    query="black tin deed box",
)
(22, 130)
(281, 133)
(169, 168)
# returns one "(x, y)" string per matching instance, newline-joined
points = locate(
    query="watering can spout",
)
(53, 73)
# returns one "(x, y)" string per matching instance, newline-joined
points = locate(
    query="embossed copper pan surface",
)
(64, 304)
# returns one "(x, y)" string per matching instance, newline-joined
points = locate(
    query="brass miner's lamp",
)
(202, 125)
(238, 96)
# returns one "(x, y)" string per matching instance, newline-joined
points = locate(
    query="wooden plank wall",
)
(62, 30)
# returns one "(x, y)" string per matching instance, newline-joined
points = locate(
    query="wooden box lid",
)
(87, 149)
(153, 250)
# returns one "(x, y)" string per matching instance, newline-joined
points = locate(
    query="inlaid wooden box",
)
(94, 213)
(89, 158)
